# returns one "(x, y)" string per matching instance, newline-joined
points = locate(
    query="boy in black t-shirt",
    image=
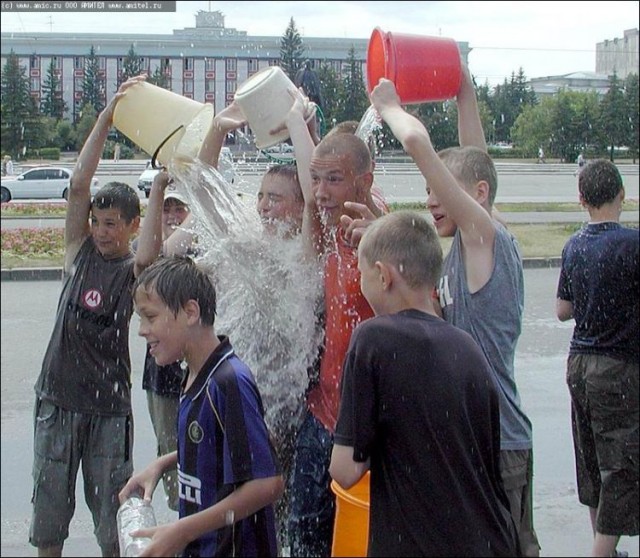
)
(420, 409)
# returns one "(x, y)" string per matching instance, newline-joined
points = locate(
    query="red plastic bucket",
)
(424, 69)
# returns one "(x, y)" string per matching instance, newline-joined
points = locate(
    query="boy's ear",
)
(384, 275)
(192, 311)
(363, 185)
(482, 192)
(135, 224)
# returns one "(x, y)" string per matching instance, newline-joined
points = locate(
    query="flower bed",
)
(33, 242)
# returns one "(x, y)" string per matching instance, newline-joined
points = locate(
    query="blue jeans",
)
(312, 503)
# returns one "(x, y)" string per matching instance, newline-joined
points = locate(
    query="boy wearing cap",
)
(162, 383)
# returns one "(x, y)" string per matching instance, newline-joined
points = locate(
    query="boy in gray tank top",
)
(481, 289)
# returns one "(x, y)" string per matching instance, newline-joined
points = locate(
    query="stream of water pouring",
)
(267, 293)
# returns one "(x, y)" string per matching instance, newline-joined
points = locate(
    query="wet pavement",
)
(28, 311)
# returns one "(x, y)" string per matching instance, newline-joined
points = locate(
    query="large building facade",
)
(619, 55)
(206, 62)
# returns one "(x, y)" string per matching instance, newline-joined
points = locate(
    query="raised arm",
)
(470, 130)
(296, 120)
(472, 219)
(150, 241)
(228, 119)
(79, 202)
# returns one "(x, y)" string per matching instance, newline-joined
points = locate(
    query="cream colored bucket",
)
(161, 122)
(265, 102)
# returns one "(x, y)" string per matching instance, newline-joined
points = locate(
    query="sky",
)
(542, 38)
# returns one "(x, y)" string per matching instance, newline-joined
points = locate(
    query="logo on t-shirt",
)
(92, 299)
(195, 432)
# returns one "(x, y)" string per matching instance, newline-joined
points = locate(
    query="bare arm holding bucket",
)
(229, 119)
(470, 130)
(79, 202)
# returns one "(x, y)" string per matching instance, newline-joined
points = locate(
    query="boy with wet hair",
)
(83, 393)
(481, 289)
(598, 288)
(400, 390)
(228, 472)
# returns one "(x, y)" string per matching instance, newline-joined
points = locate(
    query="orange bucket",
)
(424, 69)
(351, 527)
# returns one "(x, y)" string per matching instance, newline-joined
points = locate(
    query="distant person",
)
(83, 415)
(228, 470)
(540, 155)
(481, 289)
(7, 166)
(599, 288)
(581, 161)
(401, 391)
(116, 153)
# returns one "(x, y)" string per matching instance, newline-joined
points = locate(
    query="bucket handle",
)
(165, 140)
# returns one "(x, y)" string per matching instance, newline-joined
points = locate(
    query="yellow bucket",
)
(351, 527)
(161, 122)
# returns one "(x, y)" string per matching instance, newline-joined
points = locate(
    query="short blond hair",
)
(406, 240)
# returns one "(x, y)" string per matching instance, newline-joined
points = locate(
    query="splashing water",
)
(369, 123)
(267, 294)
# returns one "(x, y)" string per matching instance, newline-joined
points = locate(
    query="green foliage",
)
(291, 50)
(632, 102)
(441, 120)
(50, 153)
(612, 107)
(160, 78)
(93, 84)
(354, 99)
(18, 107)
(86, 121)
(331, 91)
(131, 66)
(65, 137)
(52, 103)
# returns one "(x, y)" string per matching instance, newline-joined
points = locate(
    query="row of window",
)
(231, 64)
(187, 85)
(188, 63)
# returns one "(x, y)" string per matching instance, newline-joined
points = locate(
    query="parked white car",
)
(40, 183)
(225, 168)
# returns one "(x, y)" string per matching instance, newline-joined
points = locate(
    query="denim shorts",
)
(604, 417)
(63, 439)
(311, 501)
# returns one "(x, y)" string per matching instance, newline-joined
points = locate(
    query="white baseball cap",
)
(173, 193)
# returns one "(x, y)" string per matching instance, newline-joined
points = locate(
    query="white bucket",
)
(161, 122)
(265, 101)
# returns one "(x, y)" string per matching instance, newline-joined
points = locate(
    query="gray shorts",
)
(516, 470)
(604, 417)
(63, 439)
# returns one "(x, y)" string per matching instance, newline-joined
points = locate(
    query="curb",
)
(55, 273)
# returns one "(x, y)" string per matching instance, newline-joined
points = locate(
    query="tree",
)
(86, 122)
(353, 92)
(291, 51)
(441, 119)
(612, 116)
(131, 66)
(18, 107)
(565, 136)
(632, 101)
(331, 89)
(532, 128)
(93, 85)
(52, 103)
(160, 78)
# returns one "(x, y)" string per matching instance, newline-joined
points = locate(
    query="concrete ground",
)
(27, 316)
